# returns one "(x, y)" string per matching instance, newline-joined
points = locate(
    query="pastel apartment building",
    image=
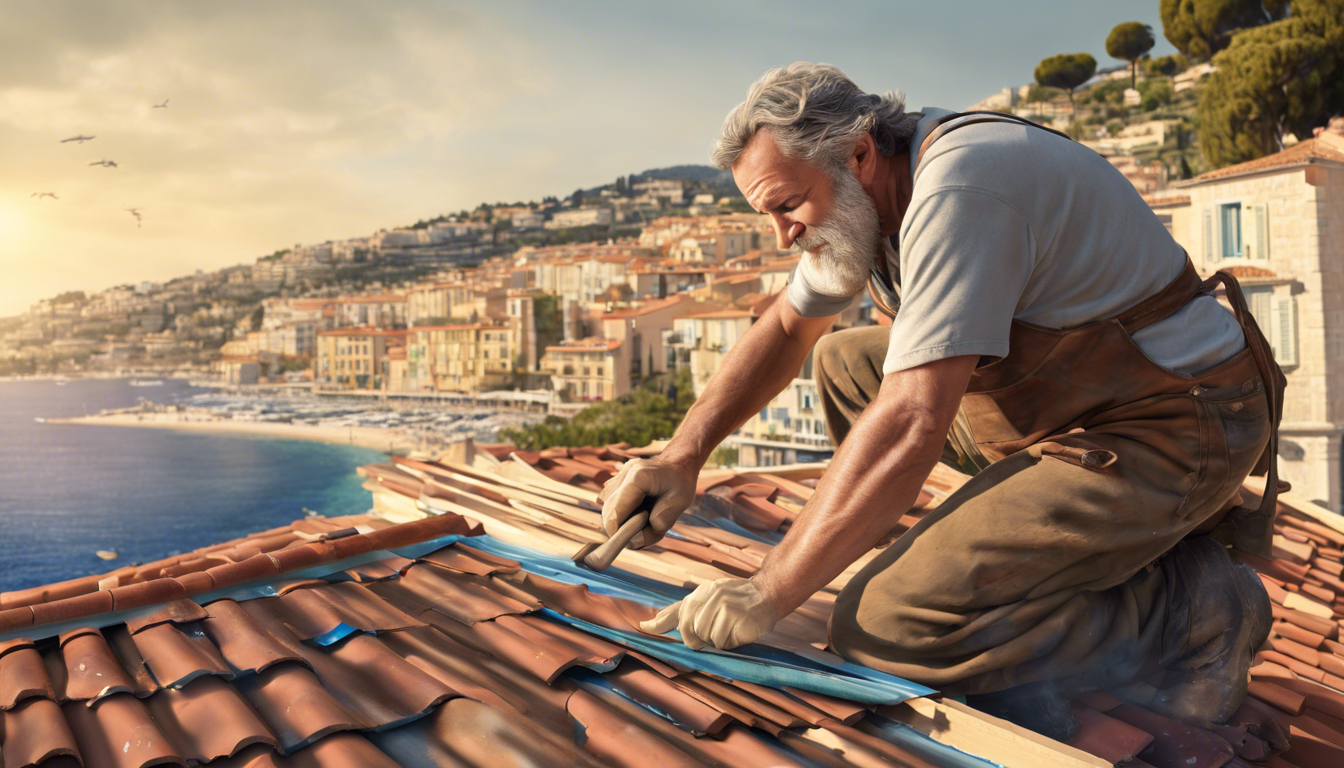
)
(587, 369)
(1277, 223)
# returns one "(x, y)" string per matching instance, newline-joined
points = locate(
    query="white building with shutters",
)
(1277, 223)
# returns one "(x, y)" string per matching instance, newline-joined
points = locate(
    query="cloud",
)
(281, 120)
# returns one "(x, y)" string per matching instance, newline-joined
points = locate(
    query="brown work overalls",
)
(1093, 463)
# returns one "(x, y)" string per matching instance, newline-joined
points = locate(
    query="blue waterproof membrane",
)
(877, 689)
(772, 538)
(340, 632)
(755, 662)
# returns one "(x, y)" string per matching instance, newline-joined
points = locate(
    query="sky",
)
(312, 120)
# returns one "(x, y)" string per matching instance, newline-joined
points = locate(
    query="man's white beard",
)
(849, 241)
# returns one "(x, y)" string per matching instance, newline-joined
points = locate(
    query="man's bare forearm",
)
(874, 478)
(758, 367)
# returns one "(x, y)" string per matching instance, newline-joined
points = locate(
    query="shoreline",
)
(374, 438)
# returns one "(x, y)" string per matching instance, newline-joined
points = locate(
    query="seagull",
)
(136, 213)
(105, 163)
(40, 195)
(164, 105)
(80, 139)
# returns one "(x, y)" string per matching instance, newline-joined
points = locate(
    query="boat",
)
(106, 554)
(146, 382)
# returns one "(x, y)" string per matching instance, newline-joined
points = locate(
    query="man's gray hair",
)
(815, 113)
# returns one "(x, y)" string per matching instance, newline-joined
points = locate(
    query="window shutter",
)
(1260, 300)
(1262, 232)
(1250, 241)
(1284, 339)
(1209, 249)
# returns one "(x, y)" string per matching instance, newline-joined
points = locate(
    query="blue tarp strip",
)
(619, 583)
(740, 666)
(340, 632)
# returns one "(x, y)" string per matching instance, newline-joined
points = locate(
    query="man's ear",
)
(863, 159)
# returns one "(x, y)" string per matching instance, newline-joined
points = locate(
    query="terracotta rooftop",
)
(1330, 148)
(1243, 272)
(449, 628)
(646, 308)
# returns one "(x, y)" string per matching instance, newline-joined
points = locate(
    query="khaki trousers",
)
(1040, 568)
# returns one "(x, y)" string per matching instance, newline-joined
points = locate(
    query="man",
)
(1050, 337)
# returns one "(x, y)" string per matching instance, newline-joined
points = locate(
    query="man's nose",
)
(787, 232)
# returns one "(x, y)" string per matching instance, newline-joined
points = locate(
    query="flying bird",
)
(136, 213)
(80, 139)
(105, 163)
(164, 105)
(40, 195)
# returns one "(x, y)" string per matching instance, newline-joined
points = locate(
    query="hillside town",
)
(555, 306)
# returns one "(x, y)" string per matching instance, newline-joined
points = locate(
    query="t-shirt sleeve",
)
(966, 255)
(807, 301)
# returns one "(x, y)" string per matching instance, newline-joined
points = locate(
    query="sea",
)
(68, 491)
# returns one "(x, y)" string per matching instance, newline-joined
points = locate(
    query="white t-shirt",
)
(1009, 221)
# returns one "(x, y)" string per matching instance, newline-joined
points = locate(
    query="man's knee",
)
(867, 617)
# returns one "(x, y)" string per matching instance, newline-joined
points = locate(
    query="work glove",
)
(671, 487)
(724, 613)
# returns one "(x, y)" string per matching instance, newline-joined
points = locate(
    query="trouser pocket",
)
(1234, 430)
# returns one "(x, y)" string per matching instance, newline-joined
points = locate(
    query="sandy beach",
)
(365, 437)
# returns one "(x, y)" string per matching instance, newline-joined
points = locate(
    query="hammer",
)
(599, 555)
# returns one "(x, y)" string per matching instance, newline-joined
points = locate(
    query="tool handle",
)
(607, 551)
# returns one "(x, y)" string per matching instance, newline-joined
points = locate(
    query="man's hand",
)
(724, 613)
(672, 484)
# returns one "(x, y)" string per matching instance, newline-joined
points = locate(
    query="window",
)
(1255, 232)
(1276, 314)
(1229, 220)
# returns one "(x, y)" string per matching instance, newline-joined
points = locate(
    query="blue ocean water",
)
(67, 491)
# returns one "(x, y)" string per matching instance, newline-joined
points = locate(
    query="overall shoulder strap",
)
(948, 123)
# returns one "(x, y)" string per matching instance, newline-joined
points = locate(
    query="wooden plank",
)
(999, 741)
(520, 471)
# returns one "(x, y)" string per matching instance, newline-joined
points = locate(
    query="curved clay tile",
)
(36, 731)
(607, 734)
(119, 732)
(23, 675)
(1107, 737)
(244, 644)
(375, 683)
(315, 611)
(658, 692)
(575, 600)
(1175, 743)
(119, 638)
(208, 719)
(176, 612)
(454, 595)
(176, 655)
(464, 559)
(460, 667)
(466, 732)
(295, 706)
(89, 670)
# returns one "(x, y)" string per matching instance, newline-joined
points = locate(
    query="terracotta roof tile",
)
(1301, 153)
(89, 669)
(441, 653)
(208, 719)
